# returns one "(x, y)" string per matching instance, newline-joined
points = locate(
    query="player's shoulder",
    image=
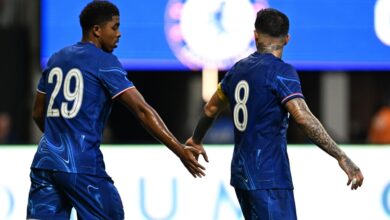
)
(66, 52)
(60, 52)
(285, 68)
(242, 64)
(59, 55)
(68, 49)
(108, 60)
(100, 57)
(251, 58)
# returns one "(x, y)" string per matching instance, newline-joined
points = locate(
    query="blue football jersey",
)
(257, 88)
(80, 82)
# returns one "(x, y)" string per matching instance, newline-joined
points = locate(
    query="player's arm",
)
(38, 113)
(313, 128)
(153, 123)
(211, 110)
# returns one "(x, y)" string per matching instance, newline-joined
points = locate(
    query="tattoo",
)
(315, 131)
(351, 166)
(262, 48)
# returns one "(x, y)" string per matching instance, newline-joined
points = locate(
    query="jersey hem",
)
(116, 95)
(292, 96)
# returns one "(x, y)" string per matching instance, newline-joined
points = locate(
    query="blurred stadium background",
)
(175, 52)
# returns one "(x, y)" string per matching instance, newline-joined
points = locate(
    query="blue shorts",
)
(54, 194)
(268, 204)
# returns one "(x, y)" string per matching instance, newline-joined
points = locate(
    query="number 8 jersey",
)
(79, 84)
(257, 88)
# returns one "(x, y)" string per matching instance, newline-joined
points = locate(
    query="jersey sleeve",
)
(42, 81)
(287, 85)
(113, 76)
(221, 94)
(42, 85)
(223, 86)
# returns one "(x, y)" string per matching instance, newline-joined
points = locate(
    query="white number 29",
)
(241, 105)
(76, 96)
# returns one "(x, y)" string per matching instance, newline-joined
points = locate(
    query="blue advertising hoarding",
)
(193, 34)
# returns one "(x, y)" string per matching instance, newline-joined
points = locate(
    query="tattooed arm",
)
(314, 130)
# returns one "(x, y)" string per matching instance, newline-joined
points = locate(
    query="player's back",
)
(78, 102)
(255, 103)
(257, 87)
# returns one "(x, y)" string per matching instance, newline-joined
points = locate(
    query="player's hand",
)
(202, 151)
(355, 176)
(191, 163)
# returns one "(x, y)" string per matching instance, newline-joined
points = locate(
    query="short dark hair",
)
(96, 13)
(272, 22)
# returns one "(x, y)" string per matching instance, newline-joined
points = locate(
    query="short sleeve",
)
(221, 94)
(114, 77)
(225, 82)
(223, 85)
(42, 81)
(287, 84)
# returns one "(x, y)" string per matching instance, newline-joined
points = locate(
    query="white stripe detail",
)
(113, 70)
(41, 91)
(131, 87)
(291, 95)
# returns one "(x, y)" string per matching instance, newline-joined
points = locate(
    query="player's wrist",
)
(180, 150)
(202, 127)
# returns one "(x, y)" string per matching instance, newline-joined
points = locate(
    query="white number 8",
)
(76, 96)
(241, 105)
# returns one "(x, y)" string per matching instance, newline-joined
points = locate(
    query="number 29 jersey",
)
(257, 88)
(79, 84)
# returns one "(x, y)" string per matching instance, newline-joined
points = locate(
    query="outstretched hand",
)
(355, 176)
(189, 159)
(199, 147)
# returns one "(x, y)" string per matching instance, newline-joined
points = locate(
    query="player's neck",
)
(91, 40)
(272, 47)
(276, 52)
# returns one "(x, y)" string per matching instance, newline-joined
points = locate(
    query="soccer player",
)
(263, 91)
(73, 100)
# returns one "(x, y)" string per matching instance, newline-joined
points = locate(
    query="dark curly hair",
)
(96, 13)
(272, 22)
